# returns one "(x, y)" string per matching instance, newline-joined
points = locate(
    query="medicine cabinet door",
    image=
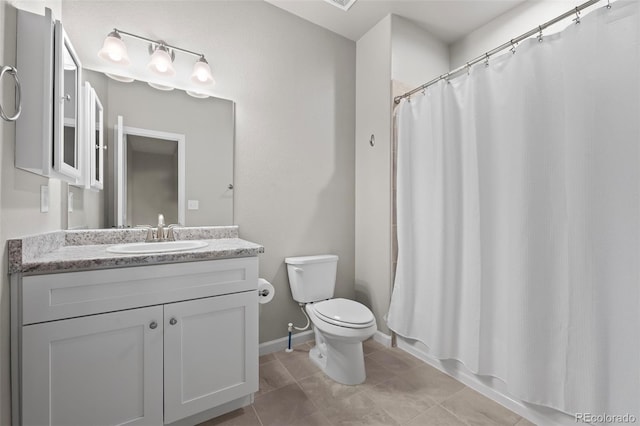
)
(67, 135)
(95, 138)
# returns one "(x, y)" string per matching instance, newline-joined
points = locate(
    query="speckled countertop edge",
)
(82, 250)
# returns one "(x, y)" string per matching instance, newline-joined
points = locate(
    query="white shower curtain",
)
(519, 217)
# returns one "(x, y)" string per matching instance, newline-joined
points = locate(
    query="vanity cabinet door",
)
(97, 370)
(211, 353)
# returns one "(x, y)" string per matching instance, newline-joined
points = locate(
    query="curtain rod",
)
(511, 43)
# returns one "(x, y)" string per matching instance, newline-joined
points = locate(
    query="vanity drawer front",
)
(72, 294)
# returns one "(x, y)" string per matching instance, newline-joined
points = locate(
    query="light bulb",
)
(114, 49)
(202, 72)
(161, 62)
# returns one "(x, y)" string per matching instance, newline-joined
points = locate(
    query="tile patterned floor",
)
(399, 390)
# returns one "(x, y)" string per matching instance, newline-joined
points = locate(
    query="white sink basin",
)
(157, 247)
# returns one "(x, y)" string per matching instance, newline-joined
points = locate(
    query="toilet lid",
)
(343, 311)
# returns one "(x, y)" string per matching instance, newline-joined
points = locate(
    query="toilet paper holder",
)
(265, 291)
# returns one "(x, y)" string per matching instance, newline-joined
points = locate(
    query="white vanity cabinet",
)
(49, 135)
(144, 345)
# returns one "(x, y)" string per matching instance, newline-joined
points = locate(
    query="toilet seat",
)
(344, 313)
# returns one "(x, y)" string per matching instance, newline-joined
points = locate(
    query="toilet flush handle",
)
(299, 270)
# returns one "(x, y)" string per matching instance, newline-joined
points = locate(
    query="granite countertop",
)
(65, 251)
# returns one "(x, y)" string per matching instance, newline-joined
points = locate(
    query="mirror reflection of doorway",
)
(152, 180)
(149, 176)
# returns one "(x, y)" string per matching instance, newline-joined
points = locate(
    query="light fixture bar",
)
(191, 52)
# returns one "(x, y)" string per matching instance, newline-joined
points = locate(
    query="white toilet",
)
(340, 325)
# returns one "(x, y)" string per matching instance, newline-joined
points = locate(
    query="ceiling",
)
(448, 20)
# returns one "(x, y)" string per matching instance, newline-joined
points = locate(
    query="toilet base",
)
(341, 360)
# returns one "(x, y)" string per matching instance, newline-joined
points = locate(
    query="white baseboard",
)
(383, 339)
(306, 336)
(282, 343)
(488, 387)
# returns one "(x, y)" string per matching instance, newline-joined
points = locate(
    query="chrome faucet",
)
(160, 234)
(160, 228)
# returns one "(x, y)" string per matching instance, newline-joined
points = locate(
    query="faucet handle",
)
(170, 234)
(160, 219)
(149, 229)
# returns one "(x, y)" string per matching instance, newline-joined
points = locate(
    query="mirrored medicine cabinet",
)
(49, 133)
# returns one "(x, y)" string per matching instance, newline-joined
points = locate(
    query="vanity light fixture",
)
(162, 56)
(114, 49)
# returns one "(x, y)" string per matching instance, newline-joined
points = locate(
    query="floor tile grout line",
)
(419, 414)
(464, 387)
(318, 408)
(452, 413)
(256, 413)
(259, 394)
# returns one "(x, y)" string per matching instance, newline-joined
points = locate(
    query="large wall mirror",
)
(166, 152)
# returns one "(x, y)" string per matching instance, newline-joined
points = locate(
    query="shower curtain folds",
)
(518, 203)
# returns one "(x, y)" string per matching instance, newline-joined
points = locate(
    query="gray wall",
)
(152, 184)
(294, 88)
(87, 209)
(373, 171)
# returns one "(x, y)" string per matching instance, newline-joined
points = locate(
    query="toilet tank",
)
(312, 278)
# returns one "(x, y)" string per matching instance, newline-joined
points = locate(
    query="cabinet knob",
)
(67, 98)
(153, 325)
(173, 321)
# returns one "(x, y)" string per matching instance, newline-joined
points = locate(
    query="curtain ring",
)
(14, 72)
(486, 59)
(577, 18)
(608, 4)
(540, 34)
(513, 47)
(468, 68)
